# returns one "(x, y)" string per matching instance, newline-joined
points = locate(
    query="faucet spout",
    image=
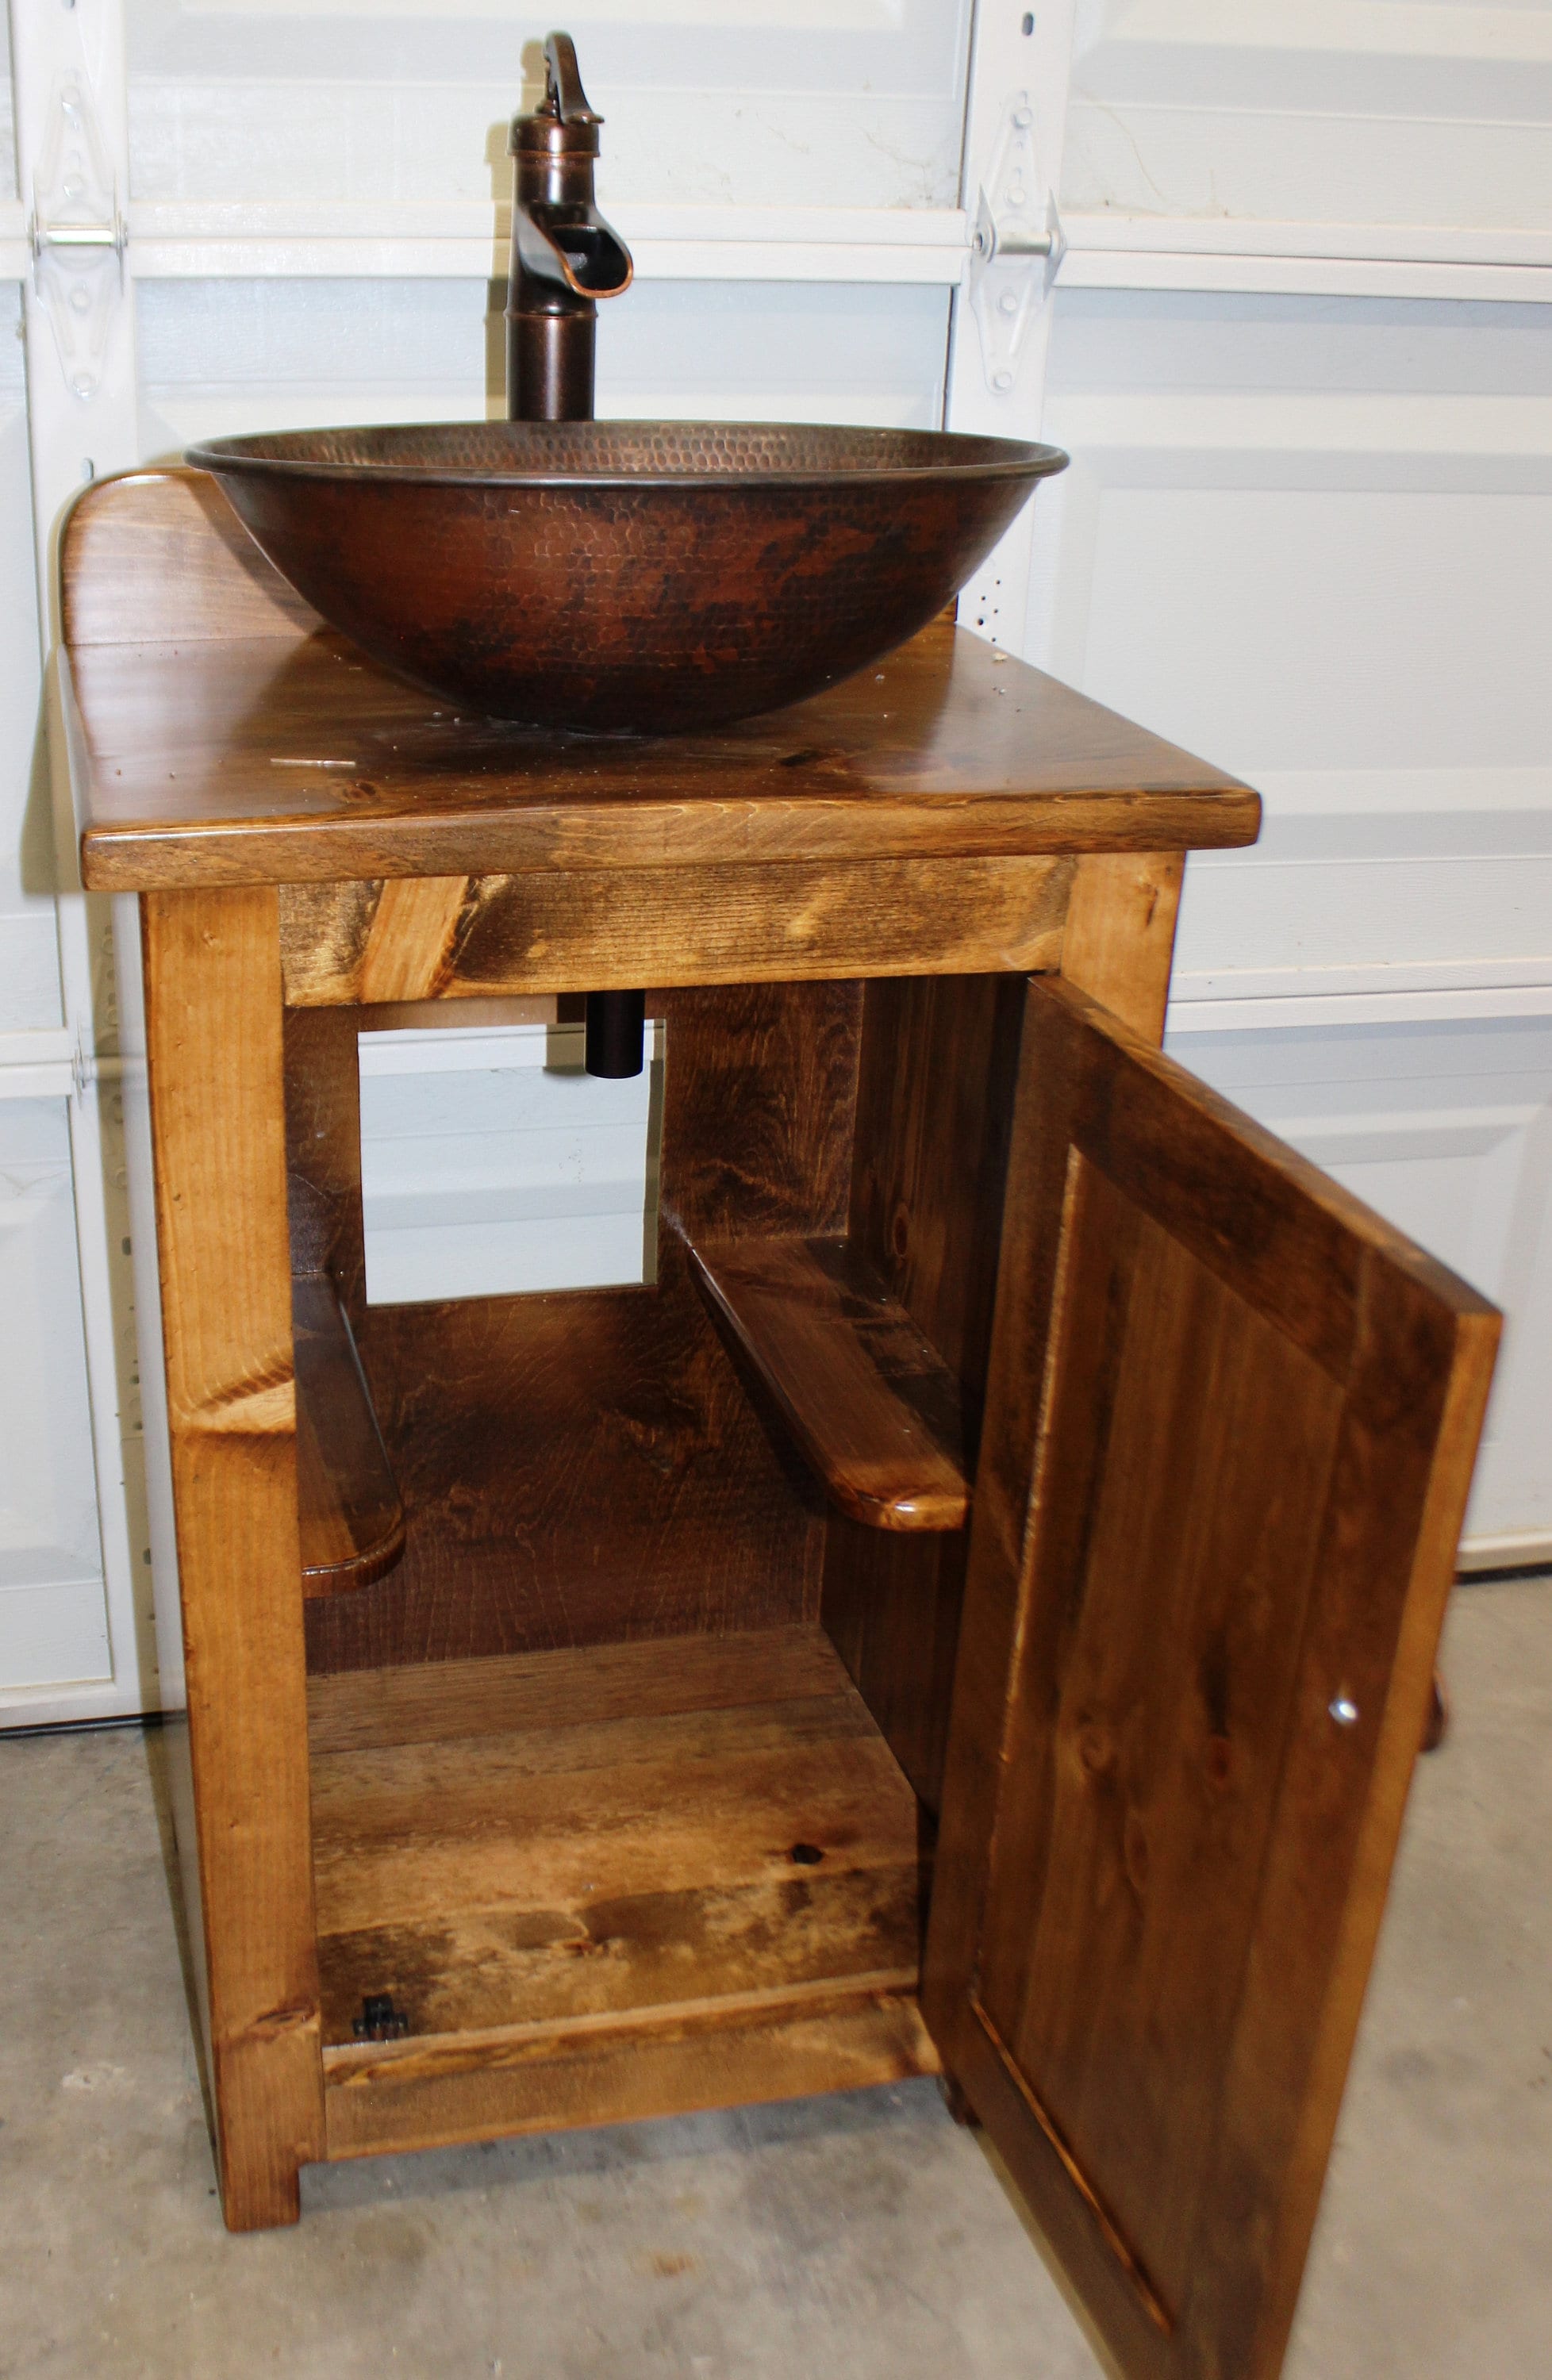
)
(565, 246)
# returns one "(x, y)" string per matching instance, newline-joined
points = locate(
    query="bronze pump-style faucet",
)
(564, 257)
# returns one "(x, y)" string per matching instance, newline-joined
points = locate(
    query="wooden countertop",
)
(220, 735)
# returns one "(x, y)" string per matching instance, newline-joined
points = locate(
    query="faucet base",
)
(550, 366)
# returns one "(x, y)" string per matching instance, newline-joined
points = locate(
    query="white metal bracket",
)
(1015, 246)
(77, 235)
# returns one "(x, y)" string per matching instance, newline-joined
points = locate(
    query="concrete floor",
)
(864, 2235)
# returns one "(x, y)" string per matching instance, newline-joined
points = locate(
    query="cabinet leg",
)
(256, 2200)
(956, 2102)
(266, 2124)
(1119, 936)
(217, 1102)
(1437, 1724)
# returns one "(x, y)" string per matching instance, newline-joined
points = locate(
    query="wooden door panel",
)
(1228, 1434)
(1172, 1677)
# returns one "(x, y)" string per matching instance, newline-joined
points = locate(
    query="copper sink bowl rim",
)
(534, 455)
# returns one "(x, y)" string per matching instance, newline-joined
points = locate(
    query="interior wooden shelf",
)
(709, 1830)
(348, 1504)
(869, 1402)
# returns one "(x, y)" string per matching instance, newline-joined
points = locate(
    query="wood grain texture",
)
(350, 1515)
(1202, 1519)
(1139, 1842)
(837, 2038)
(214, 1054)
(612, 928)
(585, 1466)
(868, 1403)
(407, 953)
(159, 557)
(233, 756)
(573, 1867)
(323, 1150)
(1119, 937)
(935, 1100)
(361, 1710)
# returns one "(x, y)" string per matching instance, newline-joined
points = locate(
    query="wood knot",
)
(1097, 1751)
(1218, 1760)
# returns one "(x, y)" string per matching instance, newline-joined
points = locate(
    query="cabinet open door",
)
(1230, 1429)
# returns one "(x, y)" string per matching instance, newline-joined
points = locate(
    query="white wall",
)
(220, 356)
(492, 1164)
(7, 116)
(53, 1616)
(52, 1620)
(824, 102)
(1312, 538)
(1374, 112)
(29, 993)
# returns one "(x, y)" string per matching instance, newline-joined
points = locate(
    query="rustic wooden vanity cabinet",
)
(599, 1703)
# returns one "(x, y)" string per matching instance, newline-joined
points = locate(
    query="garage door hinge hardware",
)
(1015, 246)
(77, 233)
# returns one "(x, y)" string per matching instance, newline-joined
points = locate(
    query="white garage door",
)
(1293, 326)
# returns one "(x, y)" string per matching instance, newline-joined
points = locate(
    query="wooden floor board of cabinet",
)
(652, 1831)
(973, 1608)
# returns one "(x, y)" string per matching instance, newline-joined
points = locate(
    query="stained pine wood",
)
(580, 1467)
(407, 949)
(350, 1515)
(724, 2054)
(323, 1150)
(239, 753)
(165, 559)
(439, 1701)
(1230, 1429)
(611, 929)
(938, 1067)
(868, 1402)
(1120, 935)
(715, 1840)
(215, 1052)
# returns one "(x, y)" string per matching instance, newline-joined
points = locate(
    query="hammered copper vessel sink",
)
(626, 574)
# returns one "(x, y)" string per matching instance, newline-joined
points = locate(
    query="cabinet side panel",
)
(935, 1100)
(583, 1466)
